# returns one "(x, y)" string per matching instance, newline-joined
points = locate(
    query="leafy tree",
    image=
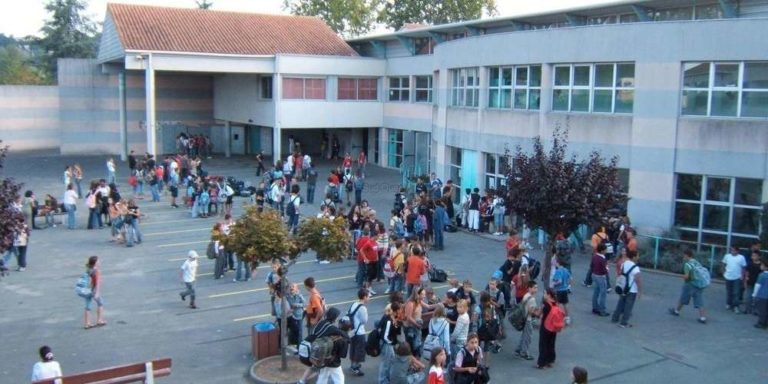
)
(346, 17)
(17, 68)
(557, 193)
(204, 4)
(395, 14)
(258, 237)
(68, 33)
(11, 219)
(329, 238)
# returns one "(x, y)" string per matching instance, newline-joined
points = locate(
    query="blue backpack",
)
(205, 198)
(83, 286)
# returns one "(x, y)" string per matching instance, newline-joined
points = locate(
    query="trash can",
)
(265, 340)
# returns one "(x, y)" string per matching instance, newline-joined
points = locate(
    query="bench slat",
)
(116, 375)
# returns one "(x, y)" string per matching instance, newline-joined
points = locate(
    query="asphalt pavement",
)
(211, 344)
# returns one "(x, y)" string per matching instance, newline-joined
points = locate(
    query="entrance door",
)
(254, 139)
(237, 140)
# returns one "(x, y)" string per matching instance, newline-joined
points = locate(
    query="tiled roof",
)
(153, 28)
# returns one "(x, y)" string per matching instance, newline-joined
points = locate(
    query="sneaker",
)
(526, 357)
(357, 372)
(182, 297)
(193, 306)
(702, 320)
(387, 292)
(609, 290)
(567, 320)
(371, 292)
(21, 269)
(625, 325)
(673, 312)
(325, 261)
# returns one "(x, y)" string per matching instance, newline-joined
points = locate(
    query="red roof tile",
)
(153, 28)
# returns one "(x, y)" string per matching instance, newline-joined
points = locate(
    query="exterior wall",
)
(89, 108)
(110, 47)
(29, 117)
(237, 98)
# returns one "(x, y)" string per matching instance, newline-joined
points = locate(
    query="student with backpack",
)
(561, 281)
(530, 312)
(552, 322)
(628, 289)
(389, 327)
(328, 345)
(356, 318)
(292, 209)
(695, 279)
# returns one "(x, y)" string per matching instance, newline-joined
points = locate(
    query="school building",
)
(678, 89)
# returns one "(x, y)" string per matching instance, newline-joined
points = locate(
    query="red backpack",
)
(555, 321)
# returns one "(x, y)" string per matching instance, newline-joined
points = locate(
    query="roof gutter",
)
(143, 51)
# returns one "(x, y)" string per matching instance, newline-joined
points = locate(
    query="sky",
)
(25, 17)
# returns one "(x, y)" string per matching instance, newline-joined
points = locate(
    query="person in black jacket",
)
(332, 372)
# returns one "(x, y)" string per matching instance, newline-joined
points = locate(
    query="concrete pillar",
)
(151, 124)
(123, 116)
(276, 142)
(149, 88)
(227, 139)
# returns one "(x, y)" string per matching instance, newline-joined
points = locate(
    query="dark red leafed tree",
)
(11, 219)
(557, 192)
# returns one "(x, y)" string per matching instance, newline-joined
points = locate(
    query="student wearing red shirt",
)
(368, 256)
(436, 363)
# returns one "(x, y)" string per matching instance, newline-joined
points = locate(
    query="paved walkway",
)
(212, 344)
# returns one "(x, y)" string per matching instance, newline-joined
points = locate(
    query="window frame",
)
(305, 88)
(461, 88)
(403, 92)
(266, 85)
(712, 88)
(591, 87)
(358, 88)
(417, 89)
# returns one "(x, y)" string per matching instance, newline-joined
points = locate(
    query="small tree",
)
(329, 238)
(259, 237)
(68, 33)
(11, 218)
(204, 4)
(557, 193)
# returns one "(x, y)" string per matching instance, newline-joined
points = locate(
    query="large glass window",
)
(303, 88)
(516, 87)
(607, 88)
(423, 89)
(395, 148)
(357, 89)
(465, 87)
(266, 87)
(719, 210)
(454, 172)
(729, 89)
(496, 167)
(399, 89)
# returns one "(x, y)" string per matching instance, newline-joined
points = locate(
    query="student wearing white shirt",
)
(47, 368)
(735, 271)
(188, 276)
(627, 300)
(70, 205)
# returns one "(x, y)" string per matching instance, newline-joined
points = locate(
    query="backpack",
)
(607, 243)
(437, 275)
(432, 341)
(373, 342)
(399, 206)
(399, 228)
(701, 276)
(359, 184)
(83, 285)
(290, 210)
(348, 185)
(534, 267)
(305, 347)
(210, 250)
(335, 194)
(205, 198)
(321, 354)
(389, 268)
(518, 315)
(622, 281)
(555, 322)
(489, 329)
(347, 322)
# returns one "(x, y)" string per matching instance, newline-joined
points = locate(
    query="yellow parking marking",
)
(181, 231)
(180, 244)
(329, 305)
(266, 288)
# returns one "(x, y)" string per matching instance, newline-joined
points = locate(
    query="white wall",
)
(330, 114)
(237, 99)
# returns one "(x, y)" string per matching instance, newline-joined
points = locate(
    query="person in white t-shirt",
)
(47, 368)
(627, 301)
(188, 276)
(735, 271)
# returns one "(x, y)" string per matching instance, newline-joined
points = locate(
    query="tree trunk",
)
(283, 327)
(547, 262)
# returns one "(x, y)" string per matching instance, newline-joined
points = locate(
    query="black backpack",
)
(373, 342)
(290, 210)
(534, 267)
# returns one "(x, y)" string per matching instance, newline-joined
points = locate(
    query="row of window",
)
(735, 89)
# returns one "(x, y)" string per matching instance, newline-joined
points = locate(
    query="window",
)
(266, 87)
(730, 89)
(395, 148)
(357, 89)
(424, 45)
(423, 89)
(605, 88)
(399, 89)
(719, 210)
(465, 87)
(496, 168)
(303, 88)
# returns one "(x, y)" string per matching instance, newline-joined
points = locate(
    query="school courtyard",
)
(147, 320)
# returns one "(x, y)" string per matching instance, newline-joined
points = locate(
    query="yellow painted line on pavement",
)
(329, 305)
(180, 244)
(266, 288)
(181, 231)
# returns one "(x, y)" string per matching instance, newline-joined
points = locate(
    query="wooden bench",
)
(131, 373)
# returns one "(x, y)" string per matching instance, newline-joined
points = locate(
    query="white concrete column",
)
(227, 139)
(149, 88)
(277, 96)
(123, 116)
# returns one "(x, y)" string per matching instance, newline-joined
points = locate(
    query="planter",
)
(267, 371)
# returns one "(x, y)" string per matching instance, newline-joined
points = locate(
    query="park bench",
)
(130, 373)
